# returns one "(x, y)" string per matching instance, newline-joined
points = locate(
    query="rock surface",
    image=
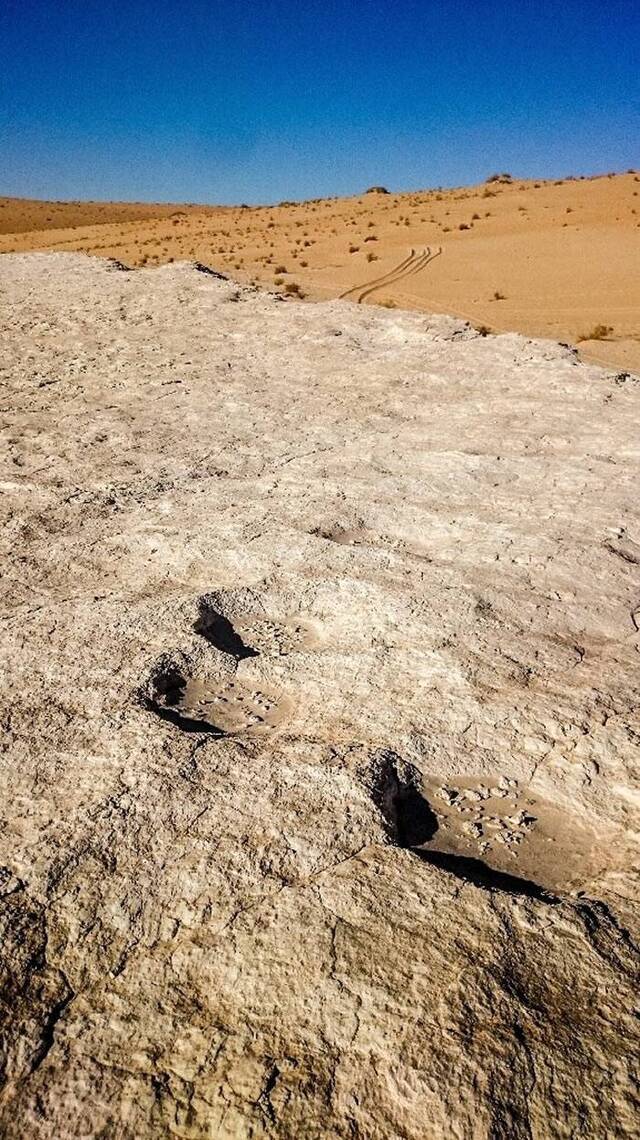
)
(320, 709)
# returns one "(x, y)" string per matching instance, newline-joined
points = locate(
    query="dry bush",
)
(598, 332)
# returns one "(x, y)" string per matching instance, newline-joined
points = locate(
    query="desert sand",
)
(320, 686)
(548, 259)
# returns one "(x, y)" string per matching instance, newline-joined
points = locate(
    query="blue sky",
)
(258, 100)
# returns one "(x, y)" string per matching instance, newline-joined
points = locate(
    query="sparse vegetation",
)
(245, 241)
(598, 332)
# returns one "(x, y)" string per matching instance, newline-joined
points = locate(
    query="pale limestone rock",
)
(265, 590)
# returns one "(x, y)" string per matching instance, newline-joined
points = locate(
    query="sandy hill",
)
(555, 259)
(320, 707)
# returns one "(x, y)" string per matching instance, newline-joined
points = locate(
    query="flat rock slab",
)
(320, 709)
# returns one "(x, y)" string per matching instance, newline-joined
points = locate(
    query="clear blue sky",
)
(258, 100)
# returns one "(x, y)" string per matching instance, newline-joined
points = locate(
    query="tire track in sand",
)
(413, 263)
(405, 264)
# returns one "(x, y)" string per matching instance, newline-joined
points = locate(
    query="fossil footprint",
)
(226, 707)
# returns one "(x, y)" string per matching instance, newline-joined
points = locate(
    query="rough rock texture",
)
(320, 704)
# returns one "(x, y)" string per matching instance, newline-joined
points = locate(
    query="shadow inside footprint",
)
(416, 823)
(487, 878)
(395, 788)
(219, 632)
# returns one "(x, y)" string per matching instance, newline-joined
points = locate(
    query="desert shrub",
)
(464, 226)
(499, 178)
(598, 332)
(377, 190)
(304, 264)
(293, 289)
(475, 217)
(354, 248)
(280, 269)
(371, 237)
(278, 281)
(484, 330)
(371, 256)
(498, 296)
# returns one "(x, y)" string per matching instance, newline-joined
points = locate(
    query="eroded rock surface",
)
(320, 709)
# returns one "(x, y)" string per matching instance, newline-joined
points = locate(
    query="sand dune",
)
(552, 259)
